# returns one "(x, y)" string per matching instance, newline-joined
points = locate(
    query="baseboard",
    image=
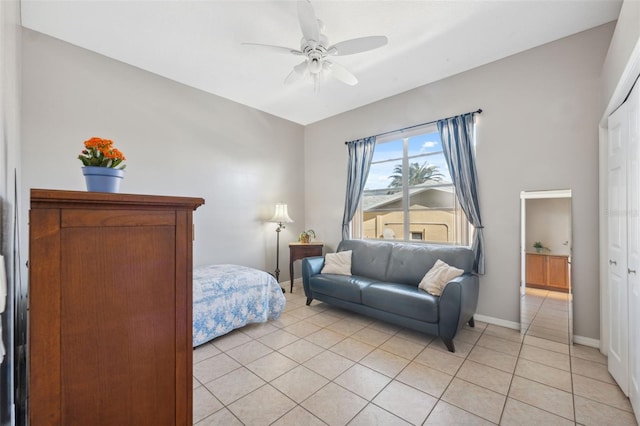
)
(497, 321)
(586, 341)
(580, 340)
(297, 282)
(288, 283)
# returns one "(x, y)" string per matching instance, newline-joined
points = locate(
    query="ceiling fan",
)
(315, 47)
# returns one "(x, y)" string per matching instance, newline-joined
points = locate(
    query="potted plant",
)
(305, 236)
(100, 152)
(103, 165)
(539, 247)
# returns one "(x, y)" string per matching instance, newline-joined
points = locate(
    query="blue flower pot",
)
(102, 179)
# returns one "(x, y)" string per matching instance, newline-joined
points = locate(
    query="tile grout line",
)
(518, 359)
(573, 390)
(326, 327)
(513, 375)
(395, 378)
(370, 401)
(454, 376)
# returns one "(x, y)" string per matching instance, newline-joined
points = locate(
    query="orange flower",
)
(98, 143)
(100, 152)
(114, 154)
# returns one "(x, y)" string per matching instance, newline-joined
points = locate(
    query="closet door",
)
(633, 257)
(617, 249)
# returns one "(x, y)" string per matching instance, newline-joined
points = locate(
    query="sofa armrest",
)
(310, 266)
(458, 303)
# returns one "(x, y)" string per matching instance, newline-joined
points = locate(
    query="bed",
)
(226, 297)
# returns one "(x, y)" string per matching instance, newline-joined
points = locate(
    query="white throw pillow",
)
(438, 277)
(337, 263)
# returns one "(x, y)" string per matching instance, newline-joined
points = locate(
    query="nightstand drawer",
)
(302, 252)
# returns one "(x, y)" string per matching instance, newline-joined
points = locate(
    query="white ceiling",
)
(198, 43)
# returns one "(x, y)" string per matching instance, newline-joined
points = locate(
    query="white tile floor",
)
(545, 314)
(319, 365)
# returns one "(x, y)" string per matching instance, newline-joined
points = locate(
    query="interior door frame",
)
(538, 195)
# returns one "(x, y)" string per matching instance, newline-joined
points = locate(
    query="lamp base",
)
(277, 271)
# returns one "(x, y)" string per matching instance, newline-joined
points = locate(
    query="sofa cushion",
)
(438, 277)
(409, 263)
(337, 263)
(345, 287)
(401, 299)
(369, 258)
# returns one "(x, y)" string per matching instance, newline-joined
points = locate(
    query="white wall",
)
(625, 38)
(549, 221)
(538, 131)
(178, 141)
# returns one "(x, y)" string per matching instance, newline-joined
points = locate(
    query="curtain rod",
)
(478, 111)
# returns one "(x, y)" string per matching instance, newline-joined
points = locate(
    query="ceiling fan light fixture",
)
(315, 65)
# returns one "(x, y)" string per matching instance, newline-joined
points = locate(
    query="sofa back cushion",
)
(369, 258)
(399, 262)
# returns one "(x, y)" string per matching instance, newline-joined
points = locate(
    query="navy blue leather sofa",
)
(384, 285)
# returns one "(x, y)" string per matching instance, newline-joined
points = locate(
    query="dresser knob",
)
(612, 262)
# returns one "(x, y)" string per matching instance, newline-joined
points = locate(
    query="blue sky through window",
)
(388, 155)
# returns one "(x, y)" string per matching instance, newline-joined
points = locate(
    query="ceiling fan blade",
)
(299, 71)
(339, 72)
(302, 67)
(277, 49)
(292, 77)
(357, 45)
(308, 20)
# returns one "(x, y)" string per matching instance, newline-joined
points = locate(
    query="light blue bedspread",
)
(226, 297)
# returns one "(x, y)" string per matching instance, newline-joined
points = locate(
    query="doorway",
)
(546, 288)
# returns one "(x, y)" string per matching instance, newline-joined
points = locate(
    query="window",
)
(409, 195)
(417, 235)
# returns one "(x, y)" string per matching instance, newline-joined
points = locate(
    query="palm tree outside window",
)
(418, 174)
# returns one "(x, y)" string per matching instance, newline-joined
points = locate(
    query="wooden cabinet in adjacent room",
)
(549, 272)
(110, 299)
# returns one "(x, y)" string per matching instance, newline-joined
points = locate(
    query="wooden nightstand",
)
(300, 251)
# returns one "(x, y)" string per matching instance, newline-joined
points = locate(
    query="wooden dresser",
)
(110, 299)
(547, 271)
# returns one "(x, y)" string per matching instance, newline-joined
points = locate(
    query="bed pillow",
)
(337, 263)
(434, 281)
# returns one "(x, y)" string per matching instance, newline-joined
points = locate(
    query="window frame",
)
(462, 228)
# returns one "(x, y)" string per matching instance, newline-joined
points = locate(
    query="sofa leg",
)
(472, 322)
(309, 299)
(449, 344)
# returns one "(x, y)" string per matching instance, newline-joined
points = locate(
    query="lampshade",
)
(281, 215)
